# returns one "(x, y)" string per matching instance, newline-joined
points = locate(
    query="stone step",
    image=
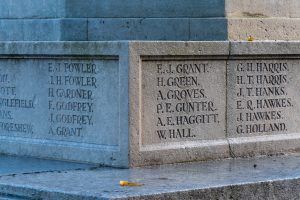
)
(32, 9)
(187, 20)
(36, 9)
(107, 29)
(111, 8)
(255, 178)
(11, 165)
(174, 29)
(263, 8)
(264, 28)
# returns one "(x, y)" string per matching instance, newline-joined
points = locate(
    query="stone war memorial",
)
(201, 90)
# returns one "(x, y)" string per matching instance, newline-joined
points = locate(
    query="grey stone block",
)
(41, 30)
(11, 30)
(210, 29)
(30, 30)
(73, 30)
(32, 9)
(52, 116)
(207, 19)
(181, 29)
(11, 165)
(264, 28)
(264, 48)
(138, 29)
(113, 29)
(262, 8)
(145, 8)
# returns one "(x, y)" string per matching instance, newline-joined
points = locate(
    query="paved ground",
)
(19, 165)
(265, 177)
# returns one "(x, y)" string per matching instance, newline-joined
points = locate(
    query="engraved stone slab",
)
(64, 107)
(178, 102)
(263, 104)
(145, 103)
(183, 100)
(59, 99)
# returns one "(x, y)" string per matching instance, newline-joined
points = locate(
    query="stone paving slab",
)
(11, 165)
(255, 178)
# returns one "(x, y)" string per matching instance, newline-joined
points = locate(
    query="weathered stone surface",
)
(12, 165)
(43, 30)
(106, 20)
(11, 30)
(65, 107)
(161, 131)
(262, 8)
(263, 116)
(263, 19)
(263, 97)
(255, 178)
(138, 29)
(38, 9)
(110, 29)
(32, 9)
(144, 103)
(157, 134)
(157, 29)
(179, 101)
(145, 8)
(264, 28)
(209, 29)
(179, 20)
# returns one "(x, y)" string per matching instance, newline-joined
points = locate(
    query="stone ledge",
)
(112, 29)
(264, 28)
(255, 178)
(263, 8)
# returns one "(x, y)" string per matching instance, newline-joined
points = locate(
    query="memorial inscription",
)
(263, 97)
(71, 94)
(136, 103)
(183, 100)
(60, 99)
(11, 102)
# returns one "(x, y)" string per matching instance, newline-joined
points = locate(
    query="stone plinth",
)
(175, 20)
(93, 20)
(263, 19)
(131, 104)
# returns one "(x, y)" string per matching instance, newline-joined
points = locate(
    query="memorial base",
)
(255, 178)
(129, 104)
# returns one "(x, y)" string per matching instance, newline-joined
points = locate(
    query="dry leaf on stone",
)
(126, 183)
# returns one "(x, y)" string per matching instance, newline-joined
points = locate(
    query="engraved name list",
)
(180, 100)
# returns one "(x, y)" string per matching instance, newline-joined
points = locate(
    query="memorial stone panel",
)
(263, 97)
(133, 104)
(183, 100)
(61, 102)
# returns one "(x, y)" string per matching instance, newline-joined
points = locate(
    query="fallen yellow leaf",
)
(126, 183)
(250, 38)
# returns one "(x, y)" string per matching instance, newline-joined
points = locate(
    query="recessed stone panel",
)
(182, 101)
(263, 97)
(61, 102)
